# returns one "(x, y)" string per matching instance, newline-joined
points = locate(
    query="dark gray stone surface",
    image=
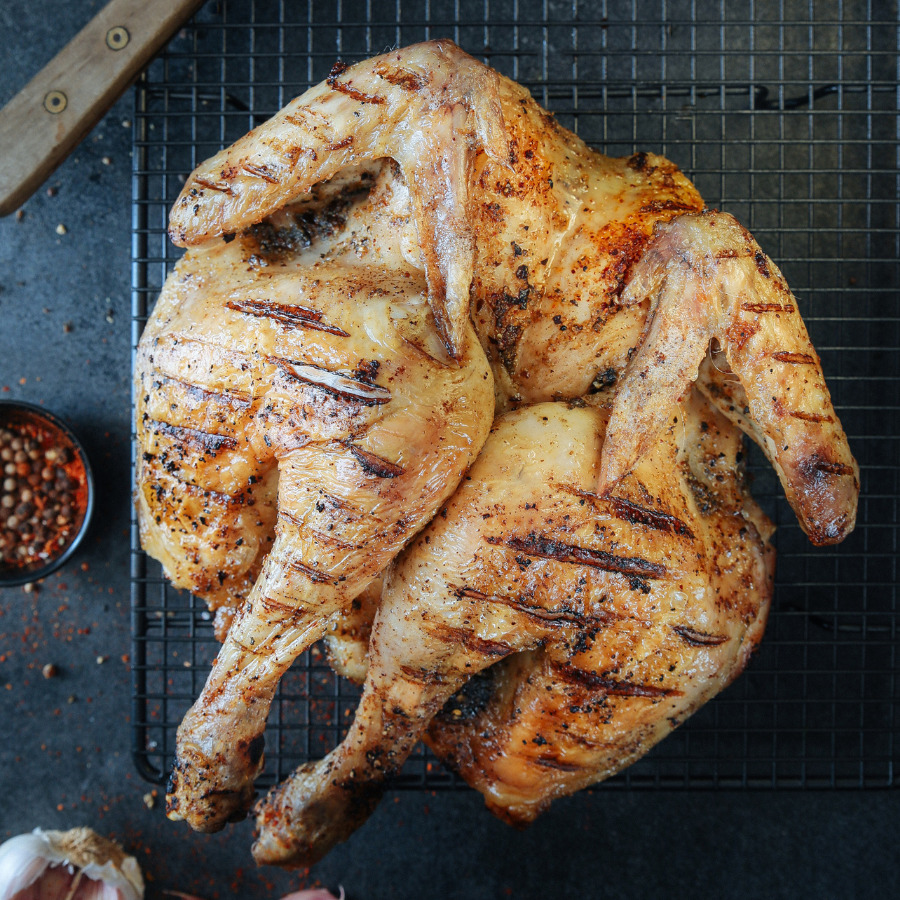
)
(65, 753)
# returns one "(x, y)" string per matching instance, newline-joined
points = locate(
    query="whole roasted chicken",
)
(400, 253)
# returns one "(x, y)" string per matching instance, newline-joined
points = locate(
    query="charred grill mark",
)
(284, 314)
(810, 417)
(314, 575)
(471, 593)
(278, 607)
(159, 492)
(422, 676)
(551, 762)
(423, 352)
(640, 515)
(193, 437)
(547, 548)
(448, 634)
(323, 537)
(347, 141)
(334, 383)
(767, 307)
(260, 172)
(224, 398)
(795, 359)
(374, 464)
(741, 332)
(762, 264)
(337, 503)
(214, 186)
(665, 205)
(638, 162)
(404, 78)
(285, 516)
(578, 492)
(310, 120)
(337, 70)
(698, 638)
(596, 682)
(545, 616)
(813, 467)
(252, 748)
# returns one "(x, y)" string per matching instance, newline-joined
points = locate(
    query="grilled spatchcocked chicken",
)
(346, 362)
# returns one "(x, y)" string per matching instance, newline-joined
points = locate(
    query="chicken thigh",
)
(584, 277)
(546, 723)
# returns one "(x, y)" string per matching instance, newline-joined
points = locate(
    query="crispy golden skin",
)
(548, 239)
(578, 709)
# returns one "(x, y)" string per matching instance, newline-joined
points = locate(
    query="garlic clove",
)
(23, 860)
(67, 865)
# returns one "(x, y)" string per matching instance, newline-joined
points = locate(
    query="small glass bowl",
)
(15, 414)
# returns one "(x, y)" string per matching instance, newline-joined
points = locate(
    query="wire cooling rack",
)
(784, 113)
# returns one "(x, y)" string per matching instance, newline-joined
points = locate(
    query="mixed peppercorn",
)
(43, 494)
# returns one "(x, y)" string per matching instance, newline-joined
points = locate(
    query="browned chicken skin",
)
(583, 275)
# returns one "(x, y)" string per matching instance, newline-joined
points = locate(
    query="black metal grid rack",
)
(784, 112)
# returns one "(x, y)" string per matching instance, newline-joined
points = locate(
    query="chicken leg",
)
(358, 408)
(631, 596)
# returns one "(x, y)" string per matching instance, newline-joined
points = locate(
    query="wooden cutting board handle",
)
(49, 117)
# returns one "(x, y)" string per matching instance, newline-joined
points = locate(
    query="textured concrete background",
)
(65, 754)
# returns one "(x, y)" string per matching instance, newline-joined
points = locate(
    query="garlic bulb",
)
(67, 865)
